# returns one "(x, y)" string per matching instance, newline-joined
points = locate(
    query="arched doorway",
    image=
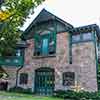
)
(44, 81)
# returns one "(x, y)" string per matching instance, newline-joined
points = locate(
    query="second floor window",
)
(76, 38)
(45, 44)
(82, 37)
(87, 36)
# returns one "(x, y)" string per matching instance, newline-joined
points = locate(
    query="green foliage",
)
(21, 90)
(18, 11)
(1, 75)
(98, 76)
(82, 95)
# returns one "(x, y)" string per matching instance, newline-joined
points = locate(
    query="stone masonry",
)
(83, 64)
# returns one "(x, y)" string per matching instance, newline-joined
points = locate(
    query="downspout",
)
(17, 72)
(96, 57)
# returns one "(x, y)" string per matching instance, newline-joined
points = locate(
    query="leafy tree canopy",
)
(13, 14)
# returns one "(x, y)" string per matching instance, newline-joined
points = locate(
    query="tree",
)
(13, 14)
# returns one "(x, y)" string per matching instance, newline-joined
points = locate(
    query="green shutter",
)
(54, 38)
(37, 39)
(52, 48)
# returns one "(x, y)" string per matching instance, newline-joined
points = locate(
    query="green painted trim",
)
(96, 57)
(44, 81)
(11, 62)
(39, 38)
(82, 41)
(55, 34)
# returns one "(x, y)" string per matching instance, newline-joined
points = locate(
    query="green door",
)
(44, 81)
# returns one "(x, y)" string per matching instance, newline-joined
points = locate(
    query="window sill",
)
(47, 56)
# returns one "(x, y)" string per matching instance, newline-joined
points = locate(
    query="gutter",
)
(17, 72)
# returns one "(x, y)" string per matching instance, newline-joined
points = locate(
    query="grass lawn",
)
(18, 96)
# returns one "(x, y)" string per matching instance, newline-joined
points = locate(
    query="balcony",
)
(12, 61)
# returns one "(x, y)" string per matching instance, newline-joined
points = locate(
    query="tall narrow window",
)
(45, 47)
(23, 78)
(52, 44)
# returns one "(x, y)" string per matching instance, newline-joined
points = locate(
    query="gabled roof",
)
(85, 29)
(44, 16)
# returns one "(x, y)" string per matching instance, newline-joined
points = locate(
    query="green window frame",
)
(82, 37)
(45, 44)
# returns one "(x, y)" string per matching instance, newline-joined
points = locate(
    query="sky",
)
(76, 12)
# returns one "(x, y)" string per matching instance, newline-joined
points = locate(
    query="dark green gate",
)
(44, 81)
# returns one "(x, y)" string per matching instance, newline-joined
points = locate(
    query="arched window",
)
(68, 78)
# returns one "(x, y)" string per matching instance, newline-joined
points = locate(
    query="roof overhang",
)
(86, 29)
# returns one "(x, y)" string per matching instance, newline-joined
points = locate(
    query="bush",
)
(59, 93)
(82, 95)
(21, 90)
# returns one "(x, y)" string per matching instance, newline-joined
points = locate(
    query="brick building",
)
(56, 56)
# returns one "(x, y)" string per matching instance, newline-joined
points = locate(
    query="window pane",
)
(45, 47)
(87, 36)
(18, 52)
(51, 47)
(68, 78)
(76, 38)
(23, 78)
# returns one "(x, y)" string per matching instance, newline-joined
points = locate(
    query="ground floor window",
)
(68, 78)
(23, 78)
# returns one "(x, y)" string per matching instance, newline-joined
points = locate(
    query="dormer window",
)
(45, 44)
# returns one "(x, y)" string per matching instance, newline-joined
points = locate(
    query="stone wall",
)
(83, 54)
(84, 63)
(11, 71)
(58, 62)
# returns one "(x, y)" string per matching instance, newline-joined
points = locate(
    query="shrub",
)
(82, 95)
(21, 90)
